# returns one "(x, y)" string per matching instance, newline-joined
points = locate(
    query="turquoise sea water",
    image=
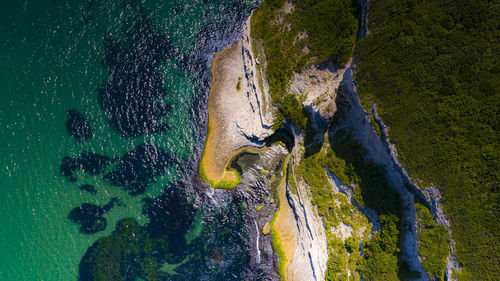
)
(51, 56)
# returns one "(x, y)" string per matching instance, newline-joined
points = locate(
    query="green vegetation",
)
(371, 190)
(238, 85)
(347, 160)
(433, 243)
(335, 209)
(225, 183)
(278, 249)
(298, 35)
(380, 261)
(432, 68)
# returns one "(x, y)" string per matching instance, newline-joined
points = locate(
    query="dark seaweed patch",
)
(169, 211)
(136, 188)
(138, 167)
(89, 216)
(88, 187)
(219, 252)
(88, 162)
(132, 250)
(132, 98)
(133, 93)
(78, 127)
(133, 171)
(114, 257)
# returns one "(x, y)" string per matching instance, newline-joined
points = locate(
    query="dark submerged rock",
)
(92, 163)
(133, 171)
(113, 257)
(88, 187)
(89, 216)
(171, 211)
(135, 251)
(136, 188)
(88, 162)
(133, 92)
(68, 168)
(138, 167)
(78, 127)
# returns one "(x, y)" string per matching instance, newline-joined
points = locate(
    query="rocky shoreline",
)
(240, 118)
(235, 113)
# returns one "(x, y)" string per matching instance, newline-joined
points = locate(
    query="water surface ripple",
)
(103, 119)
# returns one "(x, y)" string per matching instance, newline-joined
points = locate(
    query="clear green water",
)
(50, 61)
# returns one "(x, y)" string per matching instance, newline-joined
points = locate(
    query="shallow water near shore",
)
(55, 57)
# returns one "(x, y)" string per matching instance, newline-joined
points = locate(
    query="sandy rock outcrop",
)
(310, 259)
(235, 108)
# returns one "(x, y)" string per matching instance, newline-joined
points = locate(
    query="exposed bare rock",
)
(316, 87)
(309, 261)
(235, 106)
(267, 228)
(311, 255)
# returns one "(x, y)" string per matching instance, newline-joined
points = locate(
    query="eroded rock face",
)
(258, 98)
(316, 87)
(239, 116)
(262, 173)
(238, 106)
(311, 255)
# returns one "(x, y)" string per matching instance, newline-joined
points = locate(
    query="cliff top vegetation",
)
(296, 34)
(432, 68)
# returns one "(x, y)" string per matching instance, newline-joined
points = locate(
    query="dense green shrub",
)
(312, 32)
(432, 68)
(380, 260)
(346, 158)
(433, 243)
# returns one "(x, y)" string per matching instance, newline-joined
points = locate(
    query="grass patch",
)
(278, 250)
(238, 85)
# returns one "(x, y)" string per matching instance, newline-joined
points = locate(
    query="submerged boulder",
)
(88, 187)
(78, 127)
(138, 167)
(88, 162)
(89, 216)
